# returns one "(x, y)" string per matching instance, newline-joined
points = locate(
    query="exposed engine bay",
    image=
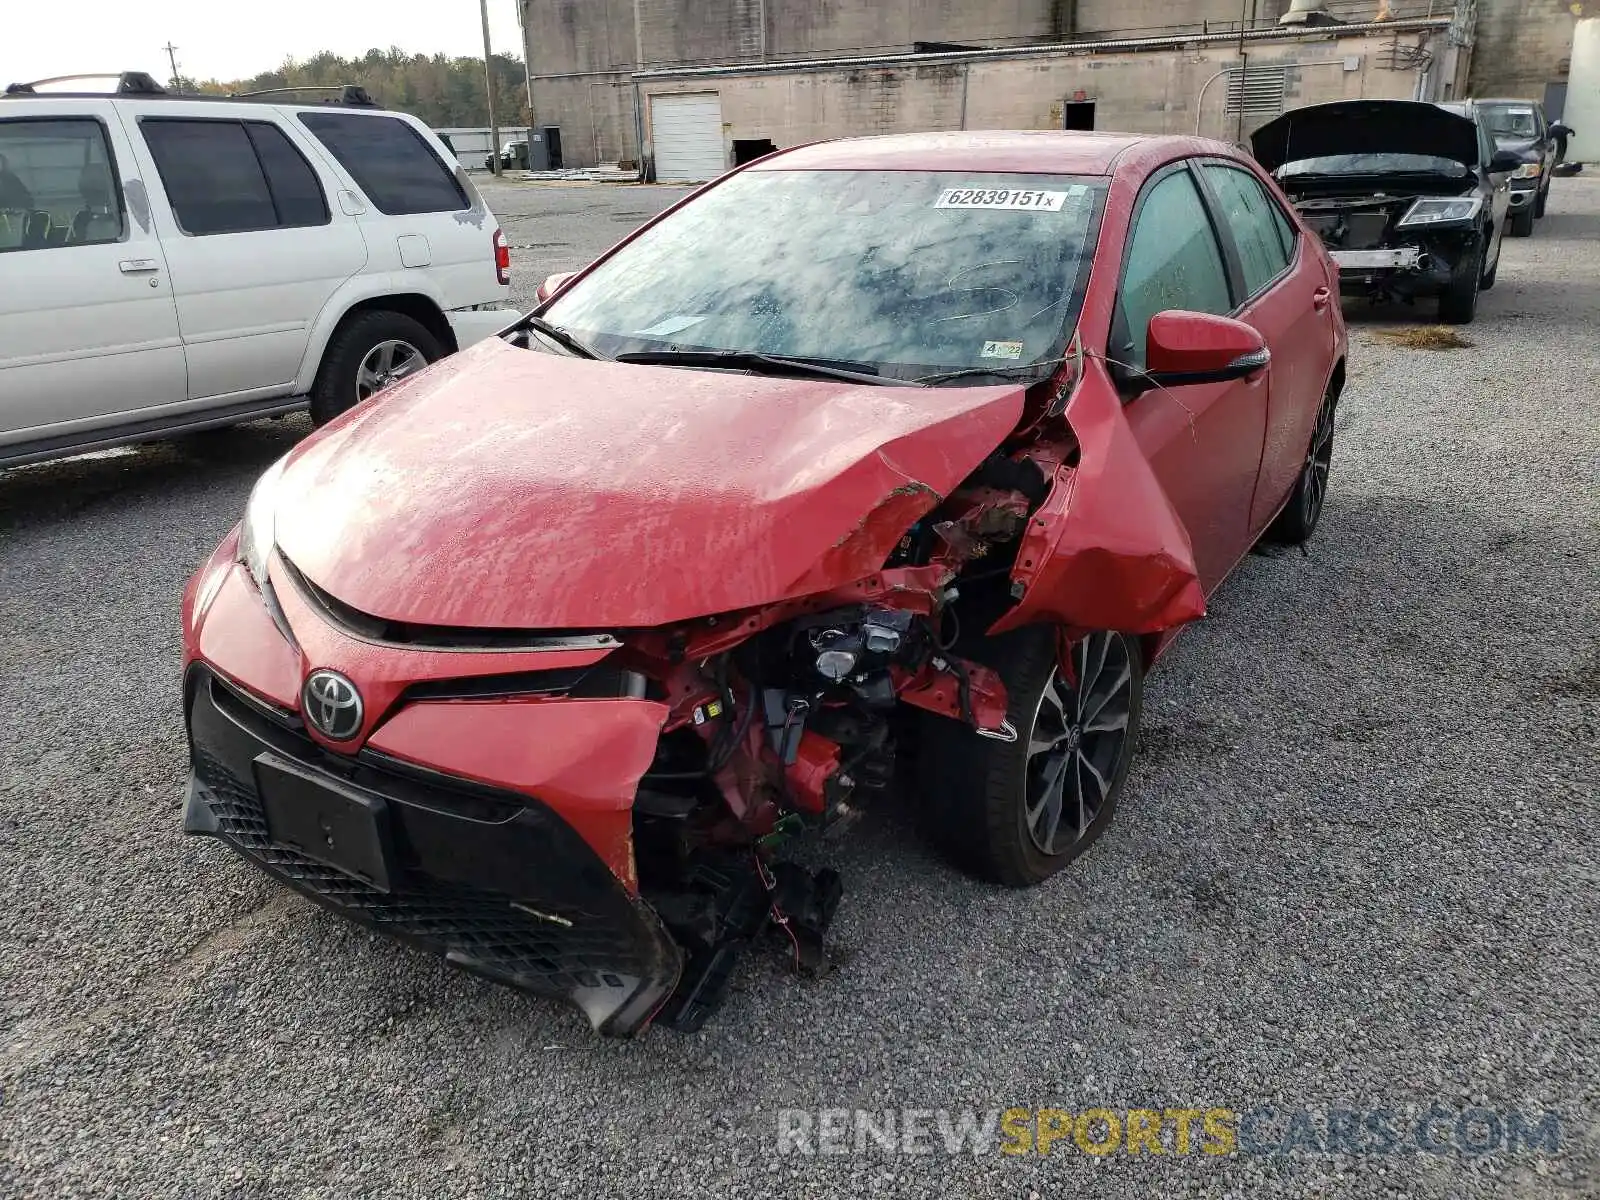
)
(1381, 253)
(794, 719)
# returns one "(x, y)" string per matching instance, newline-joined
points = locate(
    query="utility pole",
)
(527, 65)
(488, 91)
(172, 57)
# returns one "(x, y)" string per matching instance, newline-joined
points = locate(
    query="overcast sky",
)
(222, 39)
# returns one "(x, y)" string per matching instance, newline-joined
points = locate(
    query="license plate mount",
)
(338, 826)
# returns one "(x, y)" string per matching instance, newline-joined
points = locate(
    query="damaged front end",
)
(1395, 247)
(1391, 187)
(601, 815)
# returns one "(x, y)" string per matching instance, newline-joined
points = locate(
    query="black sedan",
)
(1411, 199)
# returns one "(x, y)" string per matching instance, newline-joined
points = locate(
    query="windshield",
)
(1510, 122)
(910, 272)
(1374, 164)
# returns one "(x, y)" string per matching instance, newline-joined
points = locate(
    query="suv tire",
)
(350, 366)
(1522, 220)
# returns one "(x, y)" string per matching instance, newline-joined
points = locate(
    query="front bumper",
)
(472, 325)
(495, 881)
(1521, 197)
(1359, 261)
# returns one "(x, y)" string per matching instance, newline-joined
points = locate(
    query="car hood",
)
(1527, 147)
(1366, 127)
(513, 489)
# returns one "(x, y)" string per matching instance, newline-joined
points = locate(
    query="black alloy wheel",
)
(1077, 742)
(1016, 812)
(1458, 303)
(1298, 520)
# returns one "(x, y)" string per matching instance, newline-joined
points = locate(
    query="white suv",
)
(171, 263)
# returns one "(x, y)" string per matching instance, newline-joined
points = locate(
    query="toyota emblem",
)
(332, 705)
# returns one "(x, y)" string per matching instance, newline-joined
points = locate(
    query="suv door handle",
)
(138, 266)
(1320, 298)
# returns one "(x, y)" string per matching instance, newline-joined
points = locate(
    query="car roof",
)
(1024, 150)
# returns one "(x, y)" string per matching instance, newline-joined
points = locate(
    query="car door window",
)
(390, 162)
(1173, 262)
(1260, 230)
(233, 176)
(57, 185)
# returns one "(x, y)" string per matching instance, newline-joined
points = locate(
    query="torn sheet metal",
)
(1106, 550)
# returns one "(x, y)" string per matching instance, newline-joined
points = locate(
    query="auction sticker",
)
(1001, 350)
(1000, 198)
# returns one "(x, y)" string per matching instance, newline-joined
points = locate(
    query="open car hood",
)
(511, 489)
(1366, 127)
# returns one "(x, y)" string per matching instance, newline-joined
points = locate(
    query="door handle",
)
(1320, 298)
(138, 266)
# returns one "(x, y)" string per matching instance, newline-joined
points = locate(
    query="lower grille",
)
(562, 925)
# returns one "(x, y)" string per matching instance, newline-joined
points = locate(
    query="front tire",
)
(1458, 303)
(1522, 221)
(1015, 813)
(1539, 200)
(368, 353)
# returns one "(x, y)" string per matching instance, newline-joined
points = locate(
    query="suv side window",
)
(1173, 261)
(1260, 230)
(57, 185)
(233, 176)
(390, 162)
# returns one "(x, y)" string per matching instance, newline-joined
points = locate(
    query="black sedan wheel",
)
(1458, 303)
(1018, 812)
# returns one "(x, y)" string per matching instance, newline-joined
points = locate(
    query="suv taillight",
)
(502, 257)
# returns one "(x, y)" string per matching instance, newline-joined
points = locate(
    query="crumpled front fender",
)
(1106, 549)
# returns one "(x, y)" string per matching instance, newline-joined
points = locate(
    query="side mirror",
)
(1504, 160)
(1189, 347)
(1558, 130)
(552, 285)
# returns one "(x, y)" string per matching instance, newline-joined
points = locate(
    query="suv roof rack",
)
(352, 94)
(129, 83)
(138, 84)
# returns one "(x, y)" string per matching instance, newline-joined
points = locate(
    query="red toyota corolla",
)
(889, 462)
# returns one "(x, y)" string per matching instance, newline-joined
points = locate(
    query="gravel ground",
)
(1355, 867)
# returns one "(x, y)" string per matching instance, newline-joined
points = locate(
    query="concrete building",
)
(694, 86)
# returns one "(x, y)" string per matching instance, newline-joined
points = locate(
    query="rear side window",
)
(233, 176)
(1173, 261)
(57, 186)
(390, 162)
(1260, 230)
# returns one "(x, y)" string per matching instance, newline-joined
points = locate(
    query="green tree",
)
(441, 91)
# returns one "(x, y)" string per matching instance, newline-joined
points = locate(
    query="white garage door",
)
(687, 132)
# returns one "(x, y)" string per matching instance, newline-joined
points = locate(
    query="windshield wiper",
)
(1002, 372)
(766, 364)
(559, 336)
